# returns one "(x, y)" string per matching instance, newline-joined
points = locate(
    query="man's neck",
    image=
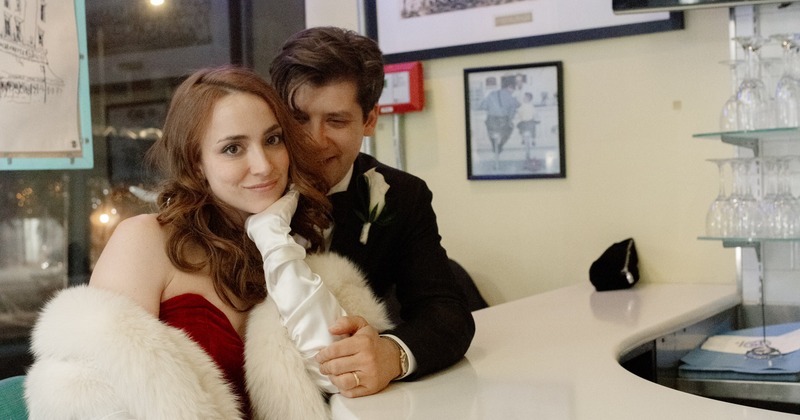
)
(343, 183)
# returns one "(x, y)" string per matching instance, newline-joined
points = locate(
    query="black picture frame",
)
(503, 27)
(528, 140)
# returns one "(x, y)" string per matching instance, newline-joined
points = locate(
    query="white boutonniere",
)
(372, 190)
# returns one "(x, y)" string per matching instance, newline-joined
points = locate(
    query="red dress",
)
(208, 326)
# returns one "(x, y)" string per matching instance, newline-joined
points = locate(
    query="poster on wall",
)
(410, 30)
(44, 96)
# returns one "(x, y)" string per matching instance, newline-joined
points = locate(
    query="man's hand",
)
(362, 363)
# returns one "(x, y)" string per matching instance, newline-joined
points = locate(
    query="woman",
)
(159, 332)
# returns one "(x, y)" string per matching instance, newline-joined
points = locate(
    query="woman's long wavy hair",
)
(195, 219)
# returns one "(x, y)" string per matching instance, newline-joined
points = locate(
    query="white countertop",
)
(554, 356)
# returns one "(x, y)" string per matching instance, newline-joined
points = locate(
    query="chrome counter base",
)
(778, 392)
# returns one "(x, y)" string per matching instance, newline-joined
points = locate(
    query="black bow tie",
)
(341, 205)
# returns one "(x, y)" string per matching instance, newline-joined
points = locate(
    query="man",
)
(500, 107)
(332, 79)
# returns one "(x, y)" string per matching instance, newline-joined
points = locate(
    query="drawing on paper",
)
(25, 74)
(39, 68)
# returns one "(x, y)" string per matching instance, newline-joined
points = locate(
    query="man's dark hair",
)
(322, 55)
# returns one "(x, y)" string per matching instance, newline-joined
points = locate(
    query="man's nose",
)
(318, 133)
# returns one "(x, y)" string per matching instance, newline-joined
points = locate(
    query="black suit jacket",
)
(406, 266)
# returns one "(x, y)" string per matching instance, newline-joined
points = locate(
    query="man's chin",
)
(331, 172)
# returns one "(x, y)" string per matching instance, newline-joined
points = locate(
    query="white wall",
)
(633, 168)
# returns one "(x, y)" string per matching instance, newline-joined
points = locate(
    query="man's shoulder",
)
(367, 162)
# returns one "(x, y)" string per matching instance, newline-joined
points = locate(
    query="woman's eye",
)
(231, 149)
(274, 140)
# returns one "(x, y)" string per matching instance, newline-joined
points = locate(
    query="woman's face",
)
(243, 155)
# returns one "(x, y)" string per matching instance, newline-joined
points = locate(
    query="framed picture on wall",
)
(515, 121)
(422, 30)
(45, 112)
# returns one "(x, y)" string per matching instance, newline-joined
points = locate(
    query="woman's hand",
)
(305, 305)
(283, 208)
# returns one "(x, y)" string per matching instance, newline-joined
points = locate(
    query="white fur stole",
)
(99, 355)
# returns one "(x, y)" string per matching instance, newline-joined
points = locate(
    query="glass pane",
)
(33, 247)
(54, 224)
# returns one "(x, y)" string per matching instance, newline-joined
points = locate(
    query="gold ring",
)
(358, 382)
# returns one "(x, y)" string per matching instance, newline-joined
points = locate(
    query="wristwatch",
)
(403, 357)
(403, 361)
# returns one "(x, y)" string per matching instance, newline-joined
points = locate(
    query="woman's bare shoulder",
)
(134, 261)
(142, 224)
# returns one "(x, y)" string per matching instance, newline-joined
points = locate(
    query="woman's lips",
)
(264, 186)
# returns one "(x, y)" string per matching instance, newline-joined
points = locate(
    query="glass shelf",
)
(728, 242)
(751, 138)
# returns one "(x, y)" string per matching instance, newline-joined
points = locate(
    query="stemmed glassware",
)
(771, 218)
(738, 212)
(718, 215)
(773, 211)
(729, 115)
(787, 90)
(786, 203)
(753, 100)
(744, 215)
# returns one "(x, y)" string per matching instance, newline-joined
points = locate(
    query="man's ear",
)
(371, 122)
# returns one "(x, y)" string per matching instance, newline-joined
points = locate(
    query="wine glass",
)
(744, 214)
(787, 90)
(786, 203)
(718, 215)
(752, 97)
(729, 115)
(770, 206)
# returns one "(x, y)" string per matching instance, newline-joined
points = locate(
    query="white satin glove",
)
(306, 306)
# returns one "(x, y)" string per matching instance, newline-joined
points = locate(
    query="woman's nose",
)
(259, 161)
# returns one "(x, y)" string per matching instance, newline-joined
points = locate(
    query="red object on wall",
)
(403, 90)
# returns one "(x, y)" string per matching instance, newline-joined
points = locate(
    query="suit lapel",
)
(347, 226)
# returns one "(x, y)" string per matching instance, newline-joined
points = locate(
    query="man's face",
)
(333, 117)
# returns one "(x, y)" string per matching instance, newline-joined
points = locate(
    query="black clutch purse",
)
(617, 268)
